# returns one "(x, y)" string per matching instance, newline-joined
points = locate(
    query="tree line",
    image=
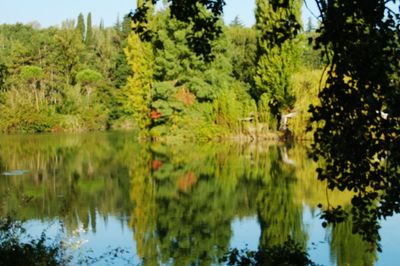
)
(81, 77)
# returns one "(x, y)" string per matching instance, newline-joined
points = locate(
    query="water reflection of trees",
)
(197, 195)
(193, 194)
(348, 248)
(279, 214)
(69, 176)
(181, 199)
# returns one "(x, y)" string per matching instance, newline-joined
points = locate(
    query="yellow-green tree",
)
(277, 26)
(80, 26)
(143, 196)
(137, 92)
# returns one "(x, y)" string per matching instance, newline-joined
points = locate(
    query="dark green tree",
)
(310, 26)
(89, 30)
(3, 76)
(244, 42)
(126, 26)
(236, 22)
(80, 26)
(101, 25)
(121, 70)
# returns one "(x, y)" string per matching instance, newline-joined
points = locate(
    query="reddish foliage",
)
(156, 164)
(155, 114)
(186, 182)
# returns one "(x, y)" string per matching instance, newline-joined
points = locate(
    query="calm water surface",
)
(176, 204)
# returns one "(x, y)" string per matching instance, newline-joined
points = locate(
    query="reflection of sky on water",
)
(246, 233)
(390, 242)
(318, 240)
(110, 234)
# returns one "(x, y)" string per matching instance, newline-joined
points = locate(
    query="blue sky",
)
(53, 12)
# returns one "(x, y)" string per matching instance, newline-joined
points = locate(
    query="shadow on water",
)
(177, 202)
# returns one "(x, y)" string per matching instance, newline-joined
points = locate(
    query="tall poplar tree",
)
(81, 25)
(89, 31)
(276, 25)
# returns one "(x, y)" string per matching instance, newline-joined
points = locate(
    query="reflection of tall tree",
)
(348, 248)
(309, 189)
(197, 194)
(280, 216)
(144, 213)
(195, 226)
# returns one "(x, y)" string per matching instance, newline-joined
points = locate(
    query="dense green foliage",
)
(358, 114)
(58, 79)
(202, 17)
(187, 96)
(81, 77)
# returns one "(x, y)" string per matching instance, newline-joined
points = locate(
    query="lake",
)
(176, 204)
